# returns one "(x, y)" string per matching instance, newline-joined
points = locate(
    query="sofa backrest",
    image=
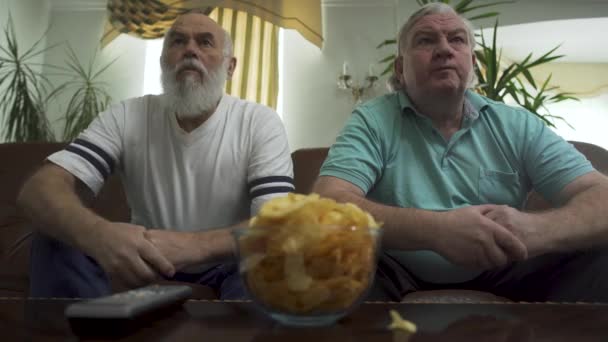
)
(306, 165)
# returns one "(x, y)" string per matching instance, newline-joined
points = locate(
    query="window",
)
(152, 83)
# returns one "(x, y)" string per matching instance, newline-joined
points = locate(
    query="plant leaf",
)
(482, 16)
(387, 59)
(387, 42)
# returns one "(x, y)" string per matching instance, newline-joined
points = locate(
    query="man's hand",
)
(175, 246)
(469, 238)
(126, 255)
(185, 249)
(523, 225)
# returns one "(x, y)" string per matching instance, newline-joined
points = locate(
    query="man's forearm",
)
(56, 209)
(403, 228)
(580, 224)
(216, 245)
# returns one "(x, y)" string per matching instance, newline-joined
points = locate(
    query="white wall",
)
(314, 109)
(586, 120)
(83, 29)
(525, 11)
(28, 31)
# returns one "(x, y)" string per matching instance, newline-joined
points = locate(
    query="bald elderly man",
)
(194, 162)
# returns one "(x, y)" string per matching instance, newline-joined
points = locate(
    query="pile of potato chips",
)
(308, 255)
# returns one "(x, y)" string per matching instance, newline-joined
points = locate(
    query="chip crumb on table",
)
(400, 324)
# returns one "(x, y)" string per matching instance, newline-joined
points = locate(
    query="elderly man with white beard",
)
(194, 163)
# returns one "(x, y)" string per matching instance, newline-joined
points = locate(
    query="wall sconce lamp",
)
(345, 82)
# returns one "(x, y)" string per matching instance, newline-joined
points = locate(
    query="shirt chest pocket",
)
(498, 187)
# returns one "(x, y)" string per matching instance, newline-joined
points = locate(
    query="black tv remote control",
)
(120, 311)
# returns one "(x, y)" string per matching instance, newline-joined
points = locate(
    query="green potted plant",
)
(497, 80)
(25, 91)
(89, 96)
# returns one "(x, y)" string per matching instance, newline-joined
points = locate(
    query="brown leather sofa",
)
(21, 159)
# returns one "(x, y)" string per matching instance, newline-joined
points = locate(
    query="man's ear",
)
(231, 66)
(398, 68)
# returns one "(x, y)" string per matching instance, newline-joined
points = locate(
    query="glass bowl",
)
(307, 275)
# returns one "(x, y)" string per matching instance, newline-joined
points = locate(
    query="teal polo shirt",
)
(396, 157)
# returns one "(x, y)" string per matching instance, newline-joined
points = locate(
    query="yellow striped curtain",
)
(151, 18)
(148, 19)
(256, 50)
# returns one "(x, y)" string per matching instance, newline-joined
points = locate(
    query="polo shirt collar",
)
(473, 104)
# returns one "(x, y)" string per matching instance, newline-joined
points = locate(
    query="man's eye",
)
(424, 41)
(458, 39)
(178, 41)
(206, 42)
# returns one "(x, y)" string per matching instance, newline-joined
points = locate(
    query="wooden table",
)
(43, 319)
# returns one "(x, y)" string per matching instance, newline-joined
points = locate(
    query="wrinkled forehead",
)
(438, 22)
(196, 23)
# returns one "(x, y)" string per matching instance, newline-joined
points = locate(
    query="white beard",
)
(192, 96)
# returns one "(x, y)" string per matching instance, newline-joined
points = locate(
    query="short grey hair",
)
(227, 51)
(404, 31)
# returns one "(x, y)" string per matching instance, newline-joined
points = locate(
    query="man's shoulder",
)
(497, 110)
(380, 112)
(382, 105)
(514, 124)
(138, 106)
(239, 105)
(239, 111)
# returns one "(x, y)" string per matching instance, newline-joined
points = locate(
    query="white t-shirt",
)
(215, 176)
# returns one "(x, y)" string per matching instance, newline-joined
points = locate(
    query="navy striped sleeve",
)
(270, 185)
(100, 152)
(93, 154)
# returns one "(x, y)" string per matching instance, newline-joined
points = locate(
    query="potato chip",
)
(295, 273)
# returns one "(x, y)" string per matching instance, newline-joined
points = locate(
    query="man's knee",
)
(593, 264)
(232, 285)
(59, 270)
(583, 278)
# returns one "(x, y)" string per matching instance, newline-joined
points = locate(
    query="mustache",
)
(446, 66)
(191, 64)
